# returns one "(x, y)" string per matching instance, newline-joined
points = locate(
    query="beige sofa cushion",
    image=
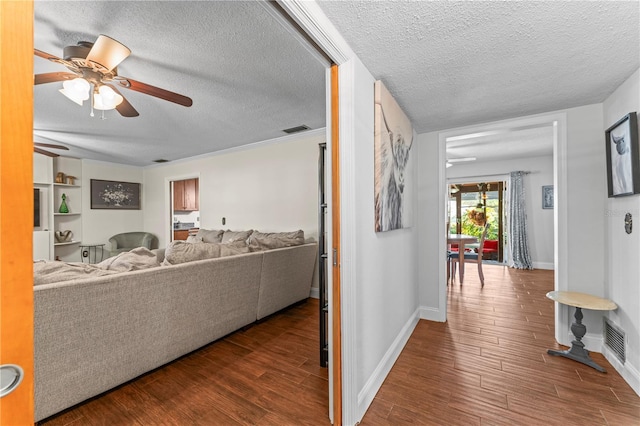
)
(233, 236)
(273, 240)
(181, 251)
(51, 271)
(210, 235)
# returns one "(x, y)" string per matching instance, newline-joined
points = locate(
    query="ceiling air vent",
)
(297, 129)
(614, 339)
(161, 160)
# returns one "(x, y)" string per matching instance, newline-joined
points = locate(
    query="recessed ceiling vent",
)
(297, 129)
(614, 339)
(161, 160)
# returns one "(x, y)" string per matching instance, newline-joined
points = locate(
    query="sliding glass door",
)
(469, 203)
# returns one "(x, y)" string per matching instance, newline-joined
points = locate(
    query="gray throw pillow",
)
(210, 235)
(233, 236)
(273, 240)
(181, 251)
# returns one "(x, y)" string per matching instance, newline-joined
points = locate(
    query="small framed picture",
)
(623, 159)
(107, 194)
(547, 197)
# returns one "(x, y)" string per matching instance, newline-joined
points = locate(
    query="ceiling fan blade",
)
(46, 55)
(154, 91)
(52, 77)
(108, 52)
(125, 108)
(43, 152)
(50, 145)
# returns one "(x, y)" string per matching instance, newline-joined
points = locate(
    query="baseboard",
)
(543, 265)
(629, 373)
(370, 389)
(315, 293)
(431, 314)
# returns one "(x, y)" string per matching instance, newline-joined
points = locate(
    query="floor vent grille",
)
(614, 339)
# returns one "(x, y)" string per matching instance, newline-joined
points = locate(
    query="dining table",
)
(461, 240)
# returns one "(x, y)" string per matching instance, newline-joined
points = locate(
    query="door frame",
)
(558, 121)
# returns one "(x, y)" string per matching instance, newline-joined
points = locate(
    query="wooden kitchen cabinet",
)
(185, 195)
(180, 235)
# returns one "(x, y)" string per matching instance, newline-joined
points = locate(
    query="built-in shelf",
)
(66, 214)
(67, 185)
(67, 243)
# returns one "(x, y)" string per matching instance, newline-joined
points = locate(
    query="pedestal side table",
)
(577, 352)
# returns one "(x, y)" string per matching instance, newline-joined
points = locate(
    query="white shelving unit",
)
(69, 250)
(45, 245)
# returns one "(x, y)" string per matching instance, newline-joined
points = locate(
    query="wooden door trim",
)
(16, 186)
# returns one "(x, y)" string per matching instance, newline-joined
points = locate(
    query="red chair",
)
(490, 247)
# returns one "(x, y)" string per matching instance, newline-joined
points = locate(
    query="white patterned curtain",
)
(517, 240)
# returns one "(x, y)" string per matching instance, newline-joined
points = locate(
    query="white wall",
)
(100, 225)
(622, 280)
(539, 220)
(268, 187)
(379, 281)
(430, 224)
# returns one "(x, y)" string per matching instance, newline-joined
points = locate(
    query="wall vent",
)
(615, 340)
(297, 129)
(161, 160)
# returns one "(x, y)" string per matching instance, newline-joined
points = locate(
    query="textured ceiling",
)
(452, 64)
(248, 77)
(448, 64)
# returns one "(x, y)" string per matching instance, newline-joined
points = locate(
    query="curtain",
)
(517, 240)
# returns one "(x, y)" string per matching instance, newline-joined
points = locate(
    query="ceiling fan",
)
(94, 76)
(36, 148)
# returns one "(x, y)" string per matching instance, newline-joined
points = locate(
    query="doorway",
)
(184, 206)
(466, 200)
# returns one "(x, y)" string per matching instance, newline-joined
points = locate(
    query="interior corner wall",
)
(384, 265)
(100, 225)
(622, 280)
(539, 220)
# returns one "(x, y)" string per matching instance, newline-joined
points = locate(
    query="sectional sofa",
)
(97, 332)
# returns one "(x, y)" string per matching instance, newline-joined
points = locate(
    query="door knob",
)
(10, 377)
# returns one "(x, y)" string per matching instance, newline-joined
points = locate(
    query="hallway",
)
(488, 364)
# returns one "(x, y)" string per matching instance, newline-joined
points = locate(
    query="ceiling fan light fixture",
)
(106, 98)
(108, 52)
(77, 90)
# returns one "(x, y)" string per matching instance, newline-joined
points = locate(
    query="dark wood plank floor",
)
(487, 365)
(268, 374)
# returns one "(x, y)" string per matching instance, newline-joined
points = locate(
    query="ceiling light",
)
(106, 98)
(108, 52)
(77, 90)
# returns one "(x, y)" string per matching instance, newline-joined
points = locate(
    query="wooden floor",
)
(487, 365)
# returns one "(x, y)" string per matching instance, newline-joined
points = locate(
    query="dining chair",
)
(471, 257)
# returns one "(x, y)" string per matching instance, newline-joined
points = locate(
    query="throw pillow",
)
(180, 252)
(138, 258)
(194, 239)
(233, 236)
(210, 235)
(273, 240)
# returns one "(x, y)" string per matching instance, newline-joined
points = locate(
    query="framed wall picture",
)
(108, 194)
(547, 197)
(623, 158)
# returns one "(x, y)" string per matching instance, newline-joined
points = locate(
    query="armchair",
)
(130, 240)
